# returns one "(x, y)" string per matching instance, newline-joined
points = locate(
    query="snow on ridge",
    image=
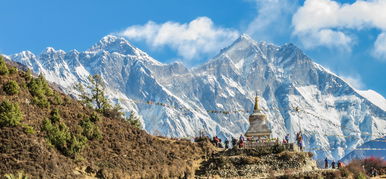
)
(374, 97)
(371, 95)
(228, 81)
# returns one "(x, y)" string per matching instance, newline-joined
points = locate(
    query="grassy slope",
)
(123, 151)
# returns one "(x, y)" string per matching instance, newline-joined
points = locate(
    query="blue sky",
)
(348, 37)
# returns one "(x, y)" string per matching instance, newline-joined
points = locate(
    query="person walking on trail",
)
(241, 144)
(299, 140)
(286, 138)
(333, 164)
(241, 138)
(284, 141)
(234, 142)
(226, 143)
(339, 164)
(373, 172)
(326, 163)
(216, 141)
(301, 145)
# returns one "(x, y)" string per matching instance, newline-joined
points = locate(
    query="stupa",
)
(258, 123)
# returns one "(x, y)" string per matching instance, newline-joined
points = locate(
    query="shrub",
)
(373, 163)
(3, 66)
(114, 112)
(27, 75)
(361, 176)
(90, 130)
(13, 70)
(20, 175)
(60, 136)
(56, 100)
(11, 87)
(41, 102)
(134, 120)
(10, 114)
(94, 117)
(28, 129)
(55, 116)
(356, 168)
(39, 87)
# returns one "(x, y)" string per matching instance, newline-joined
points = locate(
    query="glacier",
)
(334, 117)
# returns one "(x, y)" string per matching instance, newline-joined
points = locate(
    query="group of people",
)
(334, 165)
(299, 139)
(286, 139)
(218, 142)
(240, 142)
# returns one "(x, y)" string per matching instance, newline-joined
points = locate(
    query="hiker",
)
(300, 145)
(216, 141)
(339, 164)
(299, 140)
(286, 138)
(220, 145)
(234, 142)
(333, 164)
(284, 141)
(241, 143)
(241, 138)
(226, 143)
(326, 163)
(373, 172)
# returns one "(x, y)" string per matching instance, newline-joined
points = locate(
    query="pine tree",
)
(96, 96)
(83, 95)
(98, 93)
(3, 67)
(11, 87)
(10, 114)
(134, 120)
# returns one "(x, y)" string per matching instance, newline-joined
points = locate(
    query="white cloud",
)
(325, 37)
(272, 19)
(191, 40)
(380, 46)
(327, 21)
(354, 80)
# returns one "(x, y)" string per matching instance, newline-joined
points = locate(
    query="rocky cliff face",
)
(297, 94)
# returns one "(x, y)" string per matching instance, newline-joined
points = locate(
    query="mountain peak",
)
(26, 53)
(246, 37)
(51, 50)
(111, 39)
(113, 43)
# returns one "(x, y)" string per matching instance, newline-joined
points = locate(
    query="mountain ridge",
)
(284, 75)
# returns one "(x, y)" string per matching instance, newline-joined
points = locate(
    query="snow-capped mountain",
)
(373, 148)
(334, 117)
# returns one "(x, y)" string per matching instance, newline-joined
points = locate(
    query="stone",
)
(258, 123)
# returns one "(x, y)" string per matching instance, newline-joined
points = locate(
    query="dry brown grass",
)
(122, 152)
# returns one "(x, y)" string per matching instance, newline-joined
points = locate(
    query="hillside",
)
(112, 147)
(216, 97)
(47, 134)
